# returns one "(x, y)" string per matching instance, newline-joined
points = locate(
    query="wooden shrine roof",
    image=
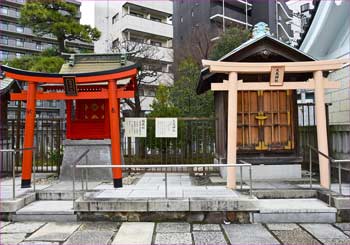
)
(262, 49)
(87, 68)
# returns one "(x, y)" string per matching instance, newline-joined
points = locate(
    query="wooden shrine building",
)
(92, 86)
(256, 104)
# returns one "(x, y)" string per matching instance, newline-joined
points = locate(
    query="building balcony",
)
(164, 78)
(216, 14)
(235, 3)
(153, 52)
(162, 7)
(135, 23)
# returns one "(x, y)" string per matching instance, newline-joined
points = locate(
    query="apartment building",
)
(16, 41)
(129, 26)
(213, 17)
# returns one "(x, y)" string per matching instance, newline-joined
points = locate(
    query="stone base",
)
(267, 172)
(99, 154)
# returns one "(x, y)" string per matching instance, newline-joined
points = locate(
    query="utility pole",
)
(223, 15)
(276, 5)
(107, 29)
(246, 14)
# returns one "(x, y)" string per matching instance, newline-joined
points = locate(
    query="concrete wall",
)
(339, 111)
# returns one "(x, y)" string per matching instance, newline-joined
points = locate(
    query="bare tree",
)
(148, 57)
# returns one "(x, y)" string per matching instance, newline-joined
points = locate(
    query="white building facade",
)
(128, 26)
(329, 38)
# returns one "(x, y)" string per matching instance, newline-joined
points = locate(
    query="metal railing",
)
(74, 166)
(331, 161)
(84, 154)
(12, 151)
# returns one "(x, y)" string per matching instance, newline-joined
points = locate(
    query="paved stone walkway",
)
(171, 233)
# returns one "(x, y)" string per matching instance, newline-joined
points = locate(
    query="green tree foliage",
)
(161, 107)
(183, 93)
(40, 63)
(229, 40)
(59, 18)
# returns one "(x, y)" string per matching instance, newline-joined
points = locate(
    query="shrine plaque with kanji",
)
(135, 127)
(70, 87)
(166, 127)
(277, 76)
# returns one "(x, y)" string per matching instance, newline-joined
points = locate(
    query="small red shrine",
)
(92, 86)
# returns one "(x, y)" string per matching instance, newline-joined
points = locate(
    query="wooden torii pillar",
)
(318, 83)
(113, 93)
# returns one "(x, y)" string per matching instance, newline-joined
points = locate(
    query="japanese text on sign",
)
(166, 127)
(135, 127)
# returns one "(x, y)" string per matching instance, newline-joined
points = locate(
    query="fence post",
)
(34, 170)
(250, 182)
(310, 166)
(13, 179)
(339, 176)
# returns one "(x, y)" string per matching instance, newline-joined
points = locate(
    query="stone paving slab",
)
(343, 226)
(173, 238)
(12, 238)
(249, 234)
(294, 205)
(324, 231)
(296, 236)
(99, 226)
(3, 223)
(22, 227)
(282, 227)
(208, 237)
(89, 237)
(135, 233)
(54, 232)
(48, 207)
(206, 227)
(165, 227)
(39, 243)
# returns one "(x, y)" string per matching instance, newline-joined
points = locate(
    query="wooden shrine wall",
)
(265, 122)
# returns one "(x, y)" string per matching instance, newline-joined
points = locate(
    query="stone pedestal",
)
(99, 154)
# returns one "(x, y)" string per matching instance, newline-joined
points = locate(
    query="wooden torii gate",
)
(318, 84)
(73, 91)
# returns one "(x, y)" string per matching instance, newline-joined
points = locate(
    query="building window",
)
(4, 10)
(4, 40)
(19, 55)
(4, 25)
(20, 29)
(136, 14)
(4, 55)
(115, 18)
(156, 19)
(18, 13)
(305, 7)
(136, 40)
(38, 46)
(19, 42)
(156, 43)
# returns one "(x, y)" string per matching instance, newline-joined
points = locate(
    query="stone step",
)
(308, 210)
(46, 211)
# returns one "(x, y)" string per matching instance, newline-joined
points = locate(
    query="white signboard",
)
(135, 127)
(166, 127)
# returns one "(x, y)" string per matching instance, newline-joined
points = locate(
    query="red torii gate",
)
(113, 93)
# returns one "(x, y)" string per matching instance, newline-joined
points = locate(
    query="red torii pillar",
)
(29, 136)
(114, 120)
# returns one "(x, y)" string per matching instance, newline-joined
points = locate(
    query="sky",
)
(87, 12)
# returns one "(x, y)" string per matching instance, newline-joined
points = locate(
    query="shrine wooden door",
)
(265, 121)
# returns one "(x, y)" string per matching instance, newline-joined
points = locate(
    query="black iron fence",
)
(48, 137)
(195, 144)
